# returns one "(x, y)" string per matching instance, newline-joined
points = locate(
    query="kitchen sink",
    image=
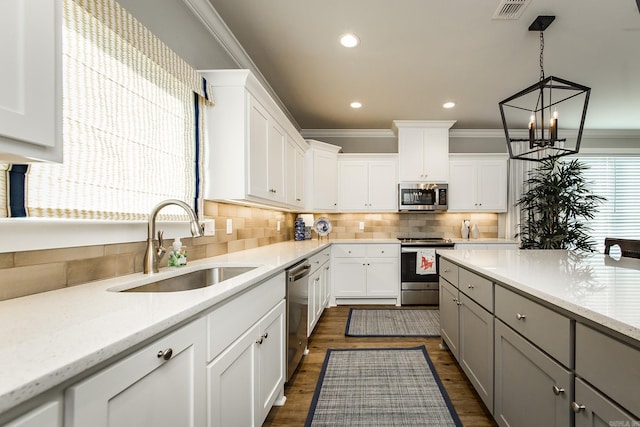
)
(194, 280)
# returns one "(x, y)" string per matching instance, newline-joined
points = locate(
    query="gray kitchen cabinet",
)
(476, 347)
(531, 389)
(449, 317)
(159, 385)
(592, 409)
(31, 81)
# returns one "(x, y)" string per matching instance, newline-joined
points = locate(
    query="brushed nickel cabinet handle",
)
(576, 407)
(521, 316)
(557, 390)
(165, 354)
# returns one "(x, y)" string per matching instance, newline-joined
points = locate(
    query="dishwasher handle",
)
(298, 272)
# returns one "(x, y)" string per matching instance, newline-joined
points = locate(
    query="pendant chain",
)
(541, 55)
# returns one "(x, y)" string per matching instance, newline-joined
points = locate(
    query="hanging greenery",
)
(556, 207)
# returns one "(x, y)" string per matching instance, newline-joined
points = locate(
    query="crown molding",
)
(587, 133)
(213, 22)
(347, 133)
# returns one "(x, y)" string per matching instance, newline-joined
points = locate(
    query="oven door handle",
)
(410, 250)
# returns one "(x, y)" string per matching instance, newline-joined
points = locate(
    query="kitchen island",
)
(554, 331)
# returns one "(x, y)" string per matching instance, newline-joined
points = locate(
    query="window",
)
(130, 113)
(615, 178)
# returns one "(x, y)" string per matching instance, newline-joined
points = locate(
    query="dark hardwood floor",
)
(329, 333)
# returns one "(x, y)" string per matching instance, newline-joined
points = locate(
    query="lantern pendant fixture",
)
(543, 102)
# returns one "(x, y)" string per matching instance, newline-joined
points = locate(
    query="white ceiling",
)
(417, 54)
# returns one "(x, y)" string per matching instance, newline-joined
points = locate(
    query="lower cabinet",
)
(46, 415)
(449, 319)
(319, 287)
(593, 409)
(531, 389)
(160, 385)
(366, 271)
(244, 381)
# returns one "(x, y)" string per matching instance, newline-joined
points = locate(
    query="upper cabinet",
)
(368, 183)
(252, 152)
(322, 176)
(30, 81)
(478, 183)
(423, 150)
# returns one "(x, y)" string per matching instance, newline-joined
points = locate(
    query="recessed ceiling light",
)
(356, 104)
(349, 40)
(449, 104)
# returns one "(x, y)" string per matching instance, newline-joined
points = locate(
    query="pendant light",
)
(539, 109)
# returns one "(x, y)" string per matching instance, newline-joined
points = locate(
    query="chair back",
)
(628, 247)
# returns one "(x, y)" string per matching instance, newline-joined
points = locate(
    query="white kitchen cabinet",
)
(248, 137)
(318, 287)
(245, 380)
(159, 385)
(321, 169)
(477, 183)
(367, 183)
(46, 415)
(31, 81)
(366, 272)
(423, 150)
(531, 389)
(294, 180)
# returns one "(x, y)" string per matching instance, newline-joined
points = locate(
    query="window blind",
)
(129, 122)
(615, 178)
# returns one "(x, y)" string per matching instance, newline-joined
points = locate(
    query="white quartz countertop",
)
(49, 338)
(594, 286)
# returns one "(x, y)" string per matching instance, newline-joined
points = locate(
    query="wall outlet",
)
(278, 225)
(229, 226)
(361, 225)
(209, 227)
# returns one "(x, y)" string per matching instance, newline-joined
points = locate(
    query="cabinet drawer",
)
(316, 260)
(545, 328)
(598, 408)
(383, 251)
(232, 318)
(610, 365)
(449, 271)
(349, 251)
(477, 288)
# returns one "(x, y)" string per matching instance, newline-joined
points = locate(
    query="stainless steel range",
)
(419, 270)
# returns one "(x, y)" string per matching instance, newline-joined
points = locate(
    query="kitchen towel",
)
(426, 261)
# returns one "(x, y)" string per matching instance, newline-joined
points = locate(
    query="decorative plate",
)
(322, 226)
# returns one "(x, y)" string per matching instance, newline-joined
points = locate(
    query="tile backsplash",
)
(29, 272)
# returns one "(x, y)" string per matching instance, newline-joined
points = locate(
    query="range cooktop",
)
(425, 241)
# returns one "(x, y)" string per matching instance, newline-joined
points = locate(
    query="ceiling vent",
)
(510, 9)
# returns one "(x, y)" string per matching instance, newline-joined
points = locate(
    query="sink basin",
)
(194, 280)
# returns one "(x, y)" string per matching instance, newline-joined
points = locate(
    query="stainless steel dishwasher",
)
(297, 314)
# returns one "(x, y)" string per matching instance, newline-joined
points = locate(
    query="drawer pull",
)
(576, 407)
(470, 286)
(446, 270)
(165, 354)
(521, 316)
(259, 340)
(557, 390)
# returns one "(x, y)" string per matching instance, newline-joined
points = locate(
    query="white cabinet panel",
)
(135, 391)
(46, 415)
(367, 184)
(30, 81)
(477, 183)
(322, 176)
(423, 150)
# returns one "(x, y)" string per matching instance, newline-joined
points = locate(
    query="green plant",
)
(556, 207)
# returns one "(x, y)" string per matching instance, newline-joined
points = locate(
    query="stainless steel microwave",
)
(422, 197)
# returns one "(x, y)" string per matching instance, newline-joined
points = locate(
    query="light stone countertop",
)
(485, 241)
(49, 338)
(593, 287)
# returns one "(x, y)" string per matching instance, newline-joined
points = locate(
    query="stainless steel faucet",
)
(153, 255)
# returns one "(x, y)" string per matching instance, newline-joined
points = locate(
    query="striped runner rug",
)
(380, 387)
(393, 322)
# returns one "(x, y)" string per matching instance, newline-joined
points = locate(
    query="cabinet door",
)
(272, 350)
(350, 277)
(354, 186)
(476, 347)
(383, 277)
(435, 154)
(326, 284)
(410, 154)
(325, 180)
(595, 410)
(294, 174)
(531, 389)
(259, 129)
(30, 80)
(231, 383)
(314, 280)
(462, 186)
(491, 185)
(275, 161)
(47, 415)
(383, 186)
(144, 389)
(449, 320)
